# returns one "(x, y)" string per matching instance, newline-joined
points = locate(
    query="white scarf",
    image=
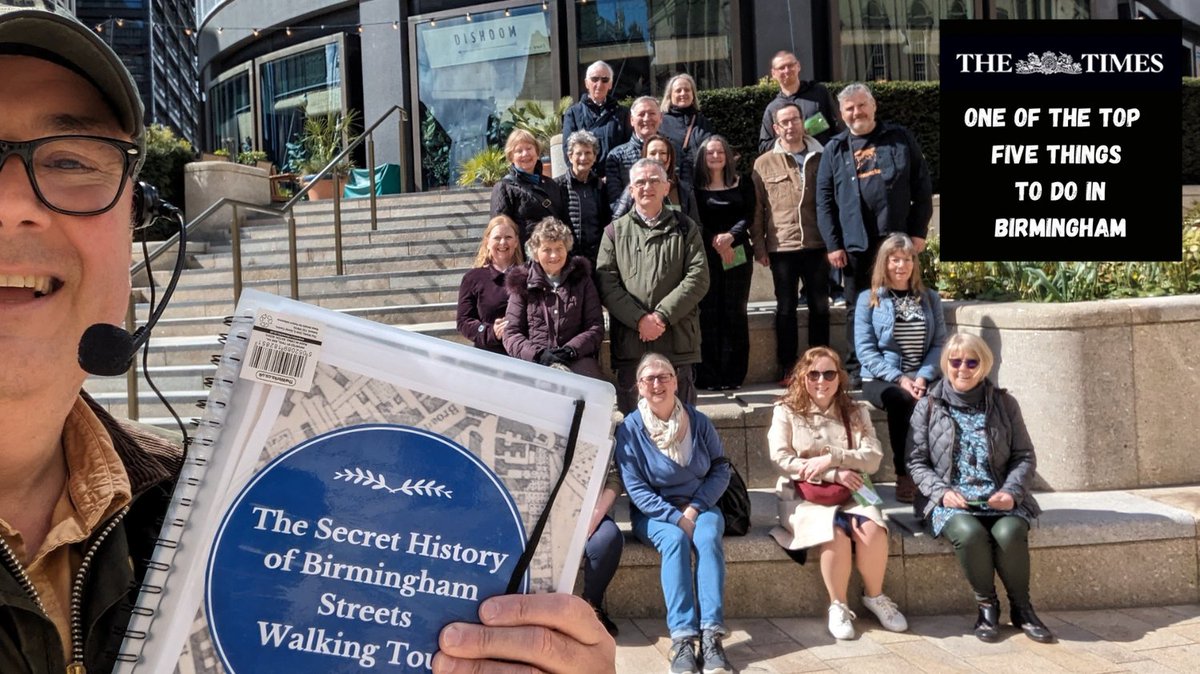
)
(668, 435)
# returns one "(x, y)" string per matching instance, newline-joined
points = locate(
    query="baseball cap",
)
(42, 29)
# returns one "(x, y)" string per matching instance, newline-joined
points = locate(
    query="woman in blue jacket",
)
(899, 330)
(674, 471)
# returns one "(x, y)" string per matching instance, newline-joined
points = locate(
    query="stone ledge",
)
(1080, 553)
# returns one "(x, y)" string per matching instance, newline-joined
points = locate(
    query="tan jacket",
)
(794, 438)
(785, 211)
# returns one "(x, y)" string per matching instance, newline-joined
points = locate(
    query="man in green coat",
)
(652, 273)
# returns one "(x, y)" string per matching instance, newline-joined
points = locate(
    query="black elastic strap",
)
(514, 582)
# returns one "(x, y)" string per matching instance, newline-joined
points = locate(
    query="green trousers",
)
(989, 544)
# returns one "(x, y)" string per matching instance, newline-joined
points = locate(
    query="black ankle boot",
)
(987, 625)
(1027, 621)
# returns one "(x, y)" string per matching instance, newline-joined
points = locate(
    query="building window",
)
(303, 83)
(648, 41)
(894, 39)
(471, 70)
(230, 111)
(1042, 9)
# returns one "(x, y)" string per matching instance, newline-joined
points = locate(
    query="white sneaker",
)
(840, 616)
(885, 609)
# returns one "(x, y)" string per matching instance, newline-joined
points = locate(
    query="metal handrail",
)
(288, 210)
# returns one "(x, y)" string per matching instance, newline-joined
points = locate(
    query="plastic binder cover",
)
(393, 493)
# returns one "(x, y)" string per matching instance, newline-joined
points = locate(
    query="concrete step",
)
(173, 325)
(200, 286)
(166, 377)
(1083, 550)
(319, 260)
(220, 302)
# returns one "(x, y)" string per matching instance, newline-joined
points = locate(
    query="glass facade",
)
(230, 111)
(894, 39)
(471, 70)
(1042, 9)
(305, 83)
(648, 41)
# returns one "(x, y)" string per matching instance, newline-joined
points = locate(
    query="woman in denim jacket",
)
(898, 334)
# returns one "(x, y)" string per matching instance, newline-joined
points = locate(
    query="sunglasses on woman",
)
(817, 375)
(971, 363)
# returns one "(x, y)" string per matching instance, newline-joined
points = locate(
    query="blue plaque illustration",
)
(353, 549)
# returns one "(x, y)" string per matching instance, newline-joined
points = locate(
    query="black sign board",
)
(1060, 140)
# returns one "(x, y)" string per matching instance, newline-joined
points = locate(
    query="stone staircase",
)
(1090, 550)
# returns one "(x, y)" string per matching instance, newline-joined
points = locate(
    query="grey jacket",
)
(932, 441)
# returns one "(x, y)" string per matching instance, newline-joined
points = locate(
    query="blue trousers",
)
(695, 600)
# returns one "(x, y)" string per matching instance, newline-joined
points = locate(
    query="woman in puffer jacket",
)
(554, 315)
(971, 457)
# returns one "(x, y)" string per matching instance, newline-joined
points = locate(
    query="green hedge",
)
(1191, 131)
(736, 113)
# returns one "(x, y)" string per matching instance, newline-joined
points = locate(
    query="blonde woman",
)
(524, 194)
(820, 436)
(972, 458)
(482, 298)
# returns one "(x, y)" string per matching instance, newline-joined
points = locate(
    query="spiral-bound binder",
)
(542, 436)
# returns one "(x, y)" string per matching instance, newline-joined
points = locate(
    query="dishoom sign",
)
(479, 41)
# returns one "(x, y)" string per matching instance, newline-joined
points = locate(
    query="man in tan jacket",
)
(785, 234)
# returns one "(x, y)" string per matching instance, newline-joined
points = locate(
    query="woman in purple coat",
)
(482, 298)
(554, 315)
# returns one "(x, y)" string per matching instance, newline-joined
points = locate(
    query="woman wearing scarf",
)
(674, 470)
(524, 194)
(971, 456)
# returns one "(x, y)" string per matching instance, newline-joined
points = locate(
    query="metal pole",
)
(131, 375)
(337, 220)
(293, 274)
(236, 233)
(400, 153)
(371, 169)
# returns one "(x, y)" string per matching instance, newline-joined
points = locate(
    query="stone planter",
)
(205, 182)
(1109, 390)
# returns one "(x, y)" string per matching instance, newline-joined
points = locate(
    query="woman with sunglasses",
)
(674, 469)
(820, 436)
(971, 455)
(898, 333)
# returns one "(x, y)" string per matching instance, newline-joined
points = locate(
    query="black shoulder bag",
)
(735, 502)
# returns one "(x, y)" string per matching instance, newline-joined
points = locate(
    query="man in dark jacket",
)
(820, 114)
(82, 496)
(873, 180)
(598, 113)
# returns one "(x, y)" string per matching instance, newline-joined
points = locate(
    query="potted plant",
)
(323, 138)
(220, 154)
(542, 123)
(487, 168)
(255, 158)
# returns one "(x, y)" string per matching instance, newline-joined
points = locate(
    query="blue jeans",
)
(681, 587)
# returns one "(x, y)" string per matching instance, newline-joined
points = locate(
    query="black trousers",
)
(787, 270)
(724, 327)
(899, 406)
(856, 278)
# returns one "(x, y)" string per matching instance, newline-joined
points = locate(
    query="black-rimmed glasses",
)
(652, 379)
(74, 175)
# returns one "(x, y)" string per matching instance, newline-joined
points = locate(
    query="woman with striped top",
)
(898, 335)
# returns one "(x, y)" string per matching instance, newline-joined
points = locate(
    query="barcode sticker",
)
(282, 351)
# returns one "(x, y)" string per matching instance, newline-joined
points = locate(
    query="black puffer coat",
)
(932, 442)
(527, 202)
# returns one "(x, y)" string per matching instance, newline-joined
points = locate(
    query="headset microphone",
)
(107, 350)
